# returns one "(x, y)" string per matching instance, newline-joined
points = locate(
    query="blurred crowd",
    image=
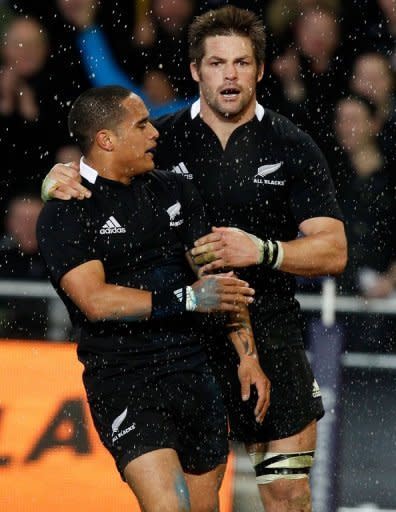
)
(330, 68)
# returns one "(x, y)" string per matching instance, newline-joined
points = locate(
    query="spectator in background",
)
(162, 32)
(373, 78)
(367, 196)
(310, 74)
(381, 30)
(96, 63)
(19, 259)
(30, 116)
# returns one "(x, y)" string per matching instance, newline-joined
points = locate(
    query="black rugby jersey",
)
(140, 233)
(270, 177)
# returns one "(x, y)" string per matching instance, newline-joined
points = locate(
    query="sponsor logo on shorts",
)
(173, 212)
(111, 226)
(316, 390)
(115, 426)
(181, 168)
(265, 170)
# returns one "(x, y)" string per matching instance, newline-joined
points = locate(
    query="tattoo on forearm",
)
(246, 341)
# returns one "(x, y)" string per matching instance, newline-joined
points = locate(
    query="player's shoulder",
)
(165, 179)
(173, 121)
(56, 212)
(283, 128)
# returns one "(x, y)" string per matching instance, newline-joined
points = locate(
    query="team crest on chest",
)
(265, 170)
(174, 212)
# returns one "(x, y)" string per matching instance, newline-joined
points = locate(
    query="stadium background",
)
(50, 52)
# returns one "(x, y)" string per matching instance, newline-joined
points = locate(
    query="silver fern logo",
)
(115, 426)
(173, 212)
(264, 171)
(268, 169)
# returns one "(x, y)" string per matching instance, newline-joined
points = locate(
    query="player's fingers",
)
(72, 187)
(79, 192)
(209, 247)
(237, 287)
(65, 171)
(210, 267)
(245, 388)
(227, 280)
(238, 291)
(58, 194)
(227, 307)
(206, 239)
(263, 401)
(74, 165)
(236, 298)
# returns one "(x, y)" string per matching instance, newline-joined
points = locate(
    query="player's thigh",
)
(157, 480)
(204, 489)
(305, 440)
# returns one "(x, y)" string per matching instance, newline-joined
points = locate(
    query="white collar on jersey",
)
(87, 171)
(196, 108)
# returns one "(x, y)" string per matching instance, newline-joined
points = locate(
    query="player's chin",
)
(149, 161)
(231, 109)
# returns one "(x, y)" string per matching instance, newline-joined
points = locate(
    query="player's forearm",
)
(240, 334)
(112, 302)
(314, 255)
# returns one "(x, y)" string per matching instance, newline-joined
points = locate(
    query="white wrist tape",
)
(191, 299)
(281, 254)
(47, 188)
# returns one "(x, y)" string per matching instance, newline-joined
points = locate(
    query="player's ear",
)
(260, 71)
(194, 69)
(104, 139)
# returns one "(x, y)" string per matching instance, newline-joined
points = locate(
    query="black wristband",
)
(168, 302)
(270, 252)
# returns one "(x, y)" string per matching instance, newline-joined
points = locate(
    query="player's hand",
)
(251, 374)
(221, 292)
(225, 247)
(64, 182)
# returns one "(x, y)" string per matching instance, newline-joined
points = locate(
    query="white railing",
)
(327, 303)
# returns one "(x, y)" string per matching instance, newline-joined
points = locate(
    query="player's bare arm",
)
(99, 300)
(239, 331)
(64, 182)
(322, 250)
(250, 373)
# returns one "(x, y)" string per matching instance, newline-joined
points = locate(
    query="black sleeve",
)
(196, 222)
(312, 192)
(64, 238)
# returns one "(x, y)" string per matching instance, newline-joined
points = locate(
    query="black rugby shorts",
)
(295, 396)
(183, 411)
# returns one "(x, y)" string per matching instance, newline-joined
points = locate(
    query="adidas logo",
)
(182, 169)
(315, 389)
(179, 294)
(112, 226)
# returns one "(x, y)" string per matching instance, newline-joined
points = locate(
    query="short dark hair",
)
(95, 109)
(226, 21)
(371, 108)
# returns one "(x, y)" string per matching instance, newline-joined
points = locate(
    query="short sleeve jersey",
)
(270, 177)
(140, 233)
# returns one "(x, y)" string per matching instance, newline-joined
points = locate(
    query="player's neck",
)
(106, 168)
(223, 126)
